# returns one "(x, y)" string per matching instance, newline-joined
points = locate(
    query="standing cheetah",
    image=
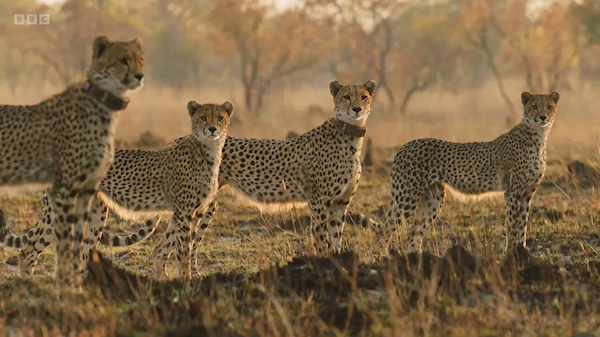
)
(67, 142)
(180, 179)
(321, 167)
(513, 163)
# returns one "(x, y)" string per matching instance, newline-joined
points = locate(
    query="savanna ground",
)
(257, 275)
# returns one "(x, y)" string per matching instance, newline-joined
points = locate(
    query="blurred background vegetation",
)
(453, 69)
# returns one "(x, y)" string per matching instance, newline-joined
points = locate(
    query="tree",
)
(269, 46)
(479, 28)
(588, 13)
(429, 52)
(366, 38)
(544, 50)
(66, 47)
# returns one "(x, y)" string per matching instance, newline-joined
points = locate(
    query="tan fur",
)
(513, 164)
(67, 141)
(320, 168)
(180, 180)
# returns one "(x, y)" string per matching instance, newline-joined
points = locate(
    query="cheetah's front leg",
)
(517, 216)
(201, 228)
(177, 237)
(319, 227)
(336, 215)
(69, 227)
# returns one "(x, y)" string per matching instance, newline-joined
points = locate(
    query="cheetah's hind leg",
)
(431, 204)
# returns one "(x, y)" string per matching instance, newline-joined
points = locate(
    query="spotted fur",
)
(513, 163)
(321, 167)
(180, 180)
(66, 142)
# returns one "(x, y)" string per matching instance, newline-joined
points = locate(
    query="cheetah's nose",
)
(139, 76)
(543, 118)
(212, 129)
(356, 109)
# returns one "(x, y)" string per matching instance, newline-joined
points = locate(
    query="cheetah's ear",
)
(228, 106)
(100, 45)
(371, 86)
(555, 97)
(192, 107)
(334, 87)
(525, 97)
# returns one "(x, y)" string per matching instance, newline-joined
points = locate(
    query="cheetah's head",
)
(210, 121)
(117, 65)
(540, 109)
(352, 102)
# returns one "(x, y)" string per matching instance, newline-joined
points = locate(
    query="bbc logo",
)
(32, 19)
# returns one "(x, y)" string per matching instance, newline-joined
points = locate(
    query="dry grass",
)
(257, 277)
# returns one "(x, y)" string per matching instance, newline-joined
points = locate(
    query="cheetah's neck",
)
(354, 142)
(211, 150)
(538, 135)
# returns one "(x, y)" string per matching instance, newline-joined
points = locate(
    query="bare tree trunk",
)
(383, 53)
(368, 161)
(483, 45)
(415, 87)
(260, 94)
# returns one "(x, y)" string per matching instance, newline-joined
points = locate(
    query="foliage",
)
(407, 46)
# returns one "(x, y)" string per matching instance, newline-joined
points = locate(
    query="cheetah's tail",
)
(8, 239)
(362, 220)
(140, 234)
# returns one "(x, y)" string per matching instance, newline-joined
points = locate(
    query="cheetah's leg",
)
(163, 250)
(71, 215)
(402, 207)
(319, 227)
(39, 237)
(336, 216)
(431, 205)
(43, 236)
(517, 216)
(177, 237)
(201, 229)
(99, 215)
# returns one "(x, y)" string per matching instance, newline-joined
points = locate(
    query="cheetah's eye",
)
(550, 107)
(221, 118)
(364, 97)
(534, 107)
(347, 97)
(203, 118)
(123, 61)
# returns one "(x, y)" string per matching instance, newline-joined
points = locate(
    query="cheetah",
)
(321, 167)
(514, 163)
(67, 142)
(180, 180)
